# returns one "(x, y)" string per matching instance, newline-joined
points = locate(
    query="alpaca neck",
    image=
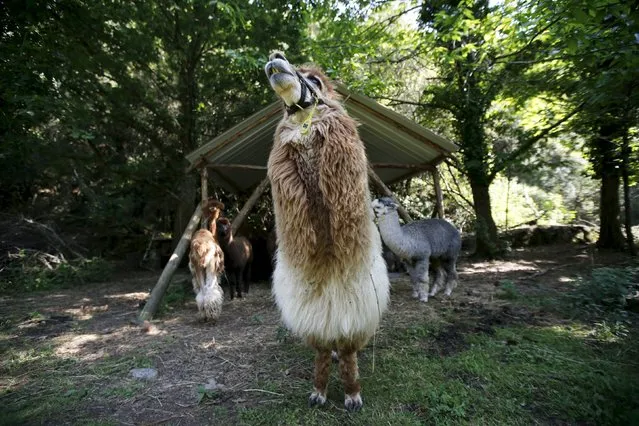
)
(213, 224)
(227, 240)
(392, 234)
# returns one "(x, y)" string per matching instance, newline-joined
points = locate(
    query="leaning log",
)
(151, 306)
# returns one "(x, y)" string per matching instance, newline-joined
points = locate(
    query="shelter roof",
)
(396, 146)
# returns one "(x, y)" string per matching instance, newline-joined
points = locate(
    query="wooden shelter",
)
(397, 149)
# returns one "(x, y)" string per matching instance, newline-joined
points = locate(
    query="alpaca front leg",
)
(440, 276)
(422, 284)
(349, 374)
(451, 279)
(228, 283)
(320, 380)
(414, 280)
(238, 283)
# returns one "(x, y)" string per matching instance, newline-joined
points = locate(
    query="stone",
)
(144, 373)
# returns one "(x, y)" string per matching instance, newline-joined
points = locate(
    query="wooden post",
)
(204, 186)
(387, 192)
(439, 198)
(237, 222)
(158, 291)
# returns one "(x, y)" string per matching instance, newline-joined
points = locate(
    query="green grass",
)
(516, 375)
(26, 274)
(456, 369)
(57, 385)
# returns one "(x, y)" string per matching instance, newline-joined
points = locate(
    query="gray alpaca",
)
(418, 243)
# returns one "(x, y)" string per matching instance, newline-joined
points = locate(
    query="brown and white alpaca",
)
(330, 279)
(238, 257)
(206, 262)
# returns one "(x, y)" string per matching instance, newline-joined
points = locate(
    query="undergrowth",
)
(29, 272)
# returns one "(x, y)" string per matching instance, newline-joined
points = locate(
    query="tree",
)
(597, 51)
(482, 53)
(103, 101)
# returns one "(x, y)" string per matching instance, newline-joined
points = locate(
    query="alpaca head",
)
(213, 209)
(299, 88)
(224, 230)
(383, 206)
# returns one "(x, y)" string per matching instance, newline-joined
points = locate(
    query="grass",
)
(536, 363)
(53, 386)
(513, 375)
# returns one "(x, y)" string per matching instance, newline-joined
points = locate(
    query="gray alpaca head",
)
(383, 206)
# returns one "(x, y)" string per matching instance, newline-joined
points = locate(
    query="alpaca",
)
(206, 263)
(238, 256)
(330, 281)
(420, 243)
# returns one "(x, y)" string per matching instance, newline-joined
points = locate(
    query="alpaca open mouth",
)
(272, 69)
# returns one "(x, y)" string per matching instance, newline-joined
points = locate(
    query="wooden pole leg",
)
(158, 291)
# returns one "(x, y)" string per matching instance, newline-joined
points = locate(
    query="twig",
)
(263, 391)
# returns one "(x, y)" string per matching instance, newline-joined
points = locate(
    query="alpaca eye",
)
(316, 81)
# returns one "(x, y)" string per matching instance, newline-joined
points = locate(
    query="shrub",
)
(604, 293)
(33, 270)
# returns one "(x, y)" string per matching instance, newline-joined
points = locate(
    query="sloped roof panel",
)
(389, 137)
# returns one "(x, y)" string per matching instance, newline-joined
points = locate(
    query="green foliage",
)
(508, 290)
(604, 293)
(27, 273)
(102, 101)
(204, 394)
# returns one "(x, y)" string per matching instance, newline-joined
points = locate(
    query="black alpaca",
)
(238, 256)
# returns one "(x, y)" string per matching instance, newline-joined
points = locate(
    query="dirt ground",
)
(92, 327)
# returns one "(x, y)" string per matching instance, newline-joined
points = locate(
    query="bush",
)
(604, 293)
(33, 270)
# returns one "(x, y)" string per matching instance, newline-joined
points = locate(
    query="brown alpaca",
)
(330, 279)
(238, 257)
(206, 262)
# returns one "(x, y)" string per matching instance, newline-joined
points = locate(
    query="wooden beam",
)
(387, 192)
(424, 167)
(237, 222)
(439, 197)
(236, 166)
(204, 186)
(151, 306)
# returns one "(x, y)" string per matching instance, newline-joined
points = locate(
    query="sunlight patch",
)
(139, 295)
(73, 346)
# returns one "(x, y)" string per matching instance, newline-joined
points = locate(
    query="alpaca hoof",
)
(448, 292)
(423, 299)
(353, 403)
(315, 399)
(415, 295)
(334, 356)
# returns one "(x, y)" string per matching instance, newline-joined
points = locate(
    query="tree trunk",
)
(475, 152)
(485, 228)
(610, 236)
(188, 97)
(627, 205)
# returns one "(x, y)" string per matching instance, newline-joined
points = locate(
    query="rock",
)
(213, 385)
(144, 373)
